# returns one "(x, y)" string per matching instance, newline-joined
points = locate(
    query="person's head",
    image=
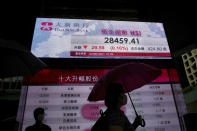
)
(115, 96)
(39, 114)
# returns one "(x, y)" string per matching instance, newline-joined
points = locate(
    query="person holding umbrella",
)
(111, 88)
(115, 118)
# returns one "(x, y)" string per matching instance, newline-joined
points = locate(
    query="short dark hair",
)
(112, 94)
(38, 111)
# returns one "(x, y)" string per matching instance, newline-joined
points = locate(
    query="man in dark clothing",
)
(39, 117)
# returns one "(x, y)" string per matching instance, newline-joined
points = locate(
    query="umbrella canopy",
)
(130, 75)
(16, 60)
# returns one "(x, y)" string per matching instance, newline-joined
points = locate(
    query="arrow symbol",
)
(85, 46)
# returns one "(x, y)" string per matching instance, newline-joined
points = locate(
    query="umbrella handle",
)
(132, 104)
(143, 123)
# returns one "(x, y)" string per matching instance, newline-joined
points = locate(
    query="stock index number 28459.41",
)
(122, 40)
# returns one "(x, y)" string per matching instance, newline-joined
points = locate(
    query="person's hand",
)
(137, 121)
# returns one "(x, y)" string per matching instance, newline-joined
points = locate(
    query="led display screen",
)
(80, 38)
(63, 94)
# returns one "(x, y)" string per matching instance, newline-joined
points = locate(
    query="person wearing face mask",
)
(39, 125)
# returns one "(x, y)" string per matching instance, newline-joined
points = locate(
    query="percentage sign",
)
(112, 48)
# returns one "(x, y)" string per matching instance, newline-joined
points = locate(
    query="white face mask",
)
(123, 99)
(40, 117)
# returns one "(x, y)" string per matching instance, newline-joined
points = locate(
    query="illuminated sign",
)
(63, 94)
(80, 38)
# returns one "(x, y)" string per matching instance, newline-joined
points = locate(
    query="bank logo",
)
(46, 26)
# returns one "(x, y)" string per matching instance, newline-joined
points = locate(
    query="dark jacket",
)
(38, 127)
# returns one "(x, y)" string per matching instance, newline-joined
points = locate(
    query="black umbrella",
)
(16, 60)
